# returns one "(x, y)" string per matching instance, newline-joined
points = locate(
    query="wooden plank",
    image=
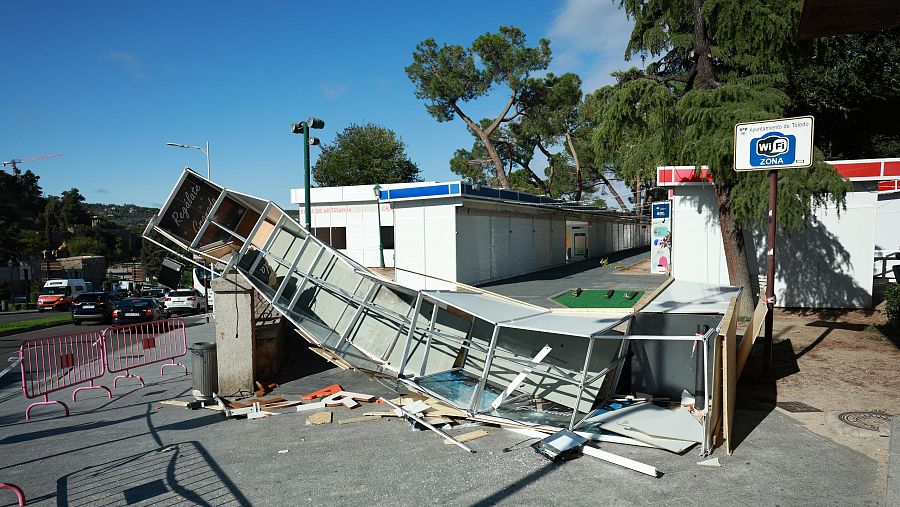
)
(353, 420)
(715, 410)
(386, 413)
(750, 334)
(465, 437)
(174, 403)
(331, 358)
(729, 379)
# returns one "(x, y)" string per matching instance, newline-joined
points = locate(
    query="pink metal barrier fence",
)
(137, 345)
(59, 362)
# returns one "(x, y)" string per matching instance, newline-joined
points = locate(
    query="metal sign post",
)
(772, 145)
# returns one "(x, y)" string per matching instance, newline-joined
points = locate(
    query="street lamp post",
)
(204, 150)
(303, 128)
(377, 191)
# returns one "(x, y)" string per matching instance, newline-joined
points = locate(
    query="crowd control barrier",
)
(136, 345)
(59, 362)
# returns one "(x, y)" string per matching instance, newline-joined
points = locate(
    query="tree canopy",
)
(448, 76)
(365, 154)
(712, 64)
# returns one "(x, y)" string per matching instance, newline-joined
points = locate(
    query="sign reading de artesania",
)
(773, 144)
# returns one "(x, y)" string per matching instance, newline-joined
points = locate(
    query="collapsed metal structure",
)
(495, 358)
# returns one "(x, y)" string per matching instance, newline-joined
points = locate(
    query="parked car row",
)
(111, 308)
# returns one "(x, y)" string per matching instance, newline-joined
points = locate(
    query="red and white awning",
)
(884, 170)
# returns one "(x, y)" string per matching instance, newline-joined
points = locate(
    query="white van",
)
(59, 294)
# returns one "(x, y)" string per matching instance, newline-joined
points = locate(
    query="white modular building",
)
(465, 233)
(827, 265)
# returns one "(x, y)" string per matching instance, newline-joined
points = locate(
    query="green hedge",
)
(892, 303)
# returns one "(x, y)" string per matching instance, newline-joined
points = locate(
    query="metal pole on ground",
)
(770, 273)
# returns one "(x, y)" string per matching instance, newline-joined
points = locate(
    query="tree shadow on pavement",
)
(757, 394)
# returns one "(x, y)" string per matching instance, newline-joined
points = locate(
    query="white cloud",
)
(589, 37)
(333, 90)
(129, 61)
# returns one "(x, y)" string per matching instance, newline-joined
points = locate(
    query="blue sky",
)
(109, 83)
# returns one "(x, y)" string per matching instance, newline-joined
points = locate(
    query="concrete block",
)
(234, 333)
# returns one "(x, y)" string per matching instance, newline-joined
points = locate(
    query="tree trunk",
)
(735, 250)
(703, 76)
(535, 178)
(638, 209)
(579, 185)
(488, 145)
(612, 191)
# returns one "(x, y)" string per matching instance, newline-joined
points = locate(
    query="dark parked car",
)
(97, 306)
(132, 310)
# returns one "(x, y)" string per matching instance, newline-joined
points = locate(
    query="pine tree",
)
(448, 76)
(713, 63)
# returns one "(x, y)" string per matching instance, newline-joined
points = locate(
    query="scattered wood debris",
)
(354, 420)
(465, 437)
(319, 418)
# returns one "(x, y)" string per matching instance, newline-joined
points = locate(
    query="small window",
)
(339, 238)
(323, 234)
(387, 237)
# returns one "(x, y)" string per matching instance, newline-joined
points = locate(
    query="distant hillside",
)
(125, 215)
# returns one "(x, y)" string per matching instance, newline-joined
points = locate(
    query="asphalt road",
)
(9, 345)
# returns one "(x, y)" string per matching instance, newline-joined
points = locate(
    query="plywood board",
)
(753, 328)
(729, 377)
(319, 418)
(465, 437)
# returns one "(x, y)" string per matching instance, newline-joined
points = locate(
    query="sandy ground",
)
(837, 362)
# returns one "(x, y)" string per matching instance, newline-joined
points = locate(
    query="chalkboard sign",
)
(189, 208)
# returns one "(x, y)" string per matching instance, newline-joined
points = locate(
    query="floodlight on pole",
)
(303, 128)
(204, 150)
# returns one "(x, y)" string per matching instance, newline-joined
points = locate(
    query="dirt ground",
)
(835, 361)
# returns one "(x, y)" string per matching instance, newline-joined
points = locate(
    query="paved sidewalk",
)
(539, 288)
(132, 449)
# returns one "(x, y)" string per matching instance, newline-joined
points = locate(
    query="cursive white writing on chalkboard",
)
(199, 220)
(184, 212)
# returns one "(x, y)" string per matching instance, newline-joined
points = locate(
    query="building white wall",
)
(826, 266)
(494, 246)
(887, 232)
(425, 237)
(697, 251)
(361, 221)
(454, 238)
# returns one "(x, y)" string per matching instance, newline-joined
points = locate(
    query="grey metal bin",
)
(204, 372)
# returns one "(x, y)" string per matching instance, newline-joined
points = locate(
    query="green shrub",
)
(892, 303)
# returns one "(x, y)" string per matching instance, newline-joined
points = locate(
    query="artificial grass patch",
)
(598, 299)
(30, 325)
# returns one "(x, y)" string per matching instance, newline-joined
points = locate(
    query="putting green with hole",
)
(598, 299)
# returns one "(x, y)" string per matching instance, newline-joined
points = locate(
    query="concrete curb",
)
(18, 312)
(892, 487)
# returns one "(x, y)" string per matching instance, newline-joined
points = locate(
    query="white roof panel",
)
(692, 297)
(576, 324)
(484, 306)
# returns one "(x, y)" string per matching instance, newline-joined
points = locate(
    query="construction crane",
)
(14, 162)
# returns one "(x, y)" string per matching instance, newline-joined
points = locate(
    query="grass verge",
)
(30, 325)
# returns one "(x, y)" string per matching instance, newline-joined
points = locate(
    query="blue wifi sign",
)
(773, 144)
(773, 149)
